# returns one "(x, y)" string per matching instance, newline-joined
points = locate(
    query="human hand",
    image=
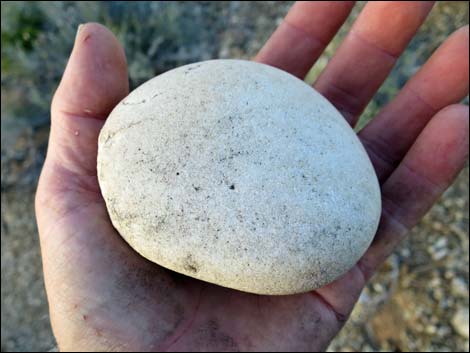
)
(104, 296)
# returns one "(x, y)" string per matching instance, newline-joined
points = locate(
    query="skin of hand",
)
(104, 296)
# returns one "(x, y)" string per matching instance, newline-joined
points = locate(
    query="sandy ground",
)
(417, 302)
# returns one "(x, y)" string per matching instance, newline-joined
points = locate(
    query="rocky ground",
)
(417, 302)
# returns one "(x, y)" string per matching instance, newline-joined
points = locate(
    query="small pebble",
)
(460, 322)
(439, 254)
(430, 329)
(459, 287)
(441, 243)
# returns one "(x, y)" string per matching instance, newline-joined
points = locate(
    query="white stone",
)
(460, 322)
(459, 287)
(238, 174)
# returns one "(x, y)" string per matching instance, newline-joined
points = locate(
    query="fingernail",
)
(80, 26)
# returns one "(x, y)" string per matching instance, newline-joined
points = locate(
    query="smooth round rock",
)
(238, 174)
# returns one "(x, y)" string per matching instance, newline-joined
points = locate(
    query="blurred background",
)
(417, 302)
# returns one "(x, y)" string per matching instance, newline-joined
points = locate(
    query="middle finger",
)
(368, 53)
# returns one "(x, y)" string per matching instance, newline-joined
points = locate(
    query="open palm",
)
(104, 296)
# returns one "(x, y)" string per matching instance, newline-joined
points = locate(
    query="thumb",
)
(94, 81)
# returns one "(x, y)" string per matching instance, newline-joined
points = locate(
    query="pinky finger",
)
(430, 166)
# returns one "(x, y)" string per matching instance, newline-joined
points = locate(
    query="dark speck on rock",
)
(190, 264)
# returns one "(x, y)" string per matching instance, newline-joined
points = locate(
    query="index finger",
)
(303, 35)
